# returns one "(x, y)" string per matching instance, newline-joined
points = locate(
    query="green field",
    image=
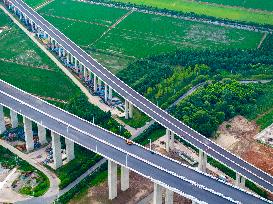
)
(30, 68)
(34, 3)
(130, 39)
(253, 4)
(217, 11)
(83, 11)
(158, 34)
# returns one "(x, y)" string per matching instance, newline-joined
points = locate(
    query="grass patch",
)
(154, 132)
(266, 120)
(81, 188)
(84, 159)
(139, 119)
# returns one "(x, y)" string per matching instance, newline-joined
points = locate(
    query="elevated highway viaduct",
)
(163, 171)
(92, 68)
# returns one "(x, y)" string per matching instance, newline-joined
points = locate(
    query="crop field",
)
(261, 17)
(253, 4)
(24, 65)
(157, 34)
(34, 3)
(81, 33)
(83, 11)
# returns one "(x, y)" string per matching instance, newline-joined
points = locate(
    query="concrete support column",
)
(2, 121)
(131, 107)
(85, 74)
(71, 58)
(28, 134)
(202, 165)
(95, 83)
(126, 109)
(76, 65)
(168, 134)
(69, 150)
(14, 119)
(99, 84)
(240, 181)
(67, 57)
(57, 151)
(124, 179)
(90, 75)
(172, 140)
(110, 93)
(60, 53)
(42, 134)
(105, 92)
(157, 198)
(112, 179)
(63, 54)
(168, 197)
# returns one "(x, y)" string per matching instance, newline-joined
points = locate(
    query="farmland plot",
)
(254, 4)
(83, 11)
(24, 65)
(157, 34)
(218, 11)
(34, 3)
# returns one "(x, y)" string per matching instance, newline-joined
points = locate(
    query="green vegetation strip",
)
(97, 177)
(10, 160)
(217, 11)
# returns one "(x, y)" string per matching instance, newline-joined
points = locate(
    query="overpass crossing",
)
(162, 170)
(207, 147)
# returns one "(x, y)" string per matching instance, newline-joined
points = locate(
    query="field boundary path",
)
(262, 40)
(113, 26)
(26, 64)
(53, 179)
(74, 20)
(42, 5)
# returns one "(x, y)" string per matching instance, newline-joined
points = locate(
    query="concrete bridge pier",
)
(76, 65)
(14, 119)
(105, 92)
(124, 179)
(99, 83)
(128, 110)
(202, 164)
(95, 83)
(57, 151)
(84, 73)
(240, 180)
(28, 134)
(170, 140)
(67, 57)
(89, 75)
(60, 52)
(110, 93)
(157, 197)
(69, 150)
(168, 197)
(42, 134)
(112, 179)
(2, 121)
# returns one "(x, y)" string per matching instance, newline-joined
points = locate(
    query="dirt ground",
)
(140, 188)
(237, 135)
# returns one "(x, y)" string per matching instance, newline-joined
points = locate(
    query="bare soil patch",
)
(238, 136)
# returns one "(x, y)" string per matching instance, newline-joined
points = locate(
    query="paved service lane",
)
(183, 131)
(94, 138)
